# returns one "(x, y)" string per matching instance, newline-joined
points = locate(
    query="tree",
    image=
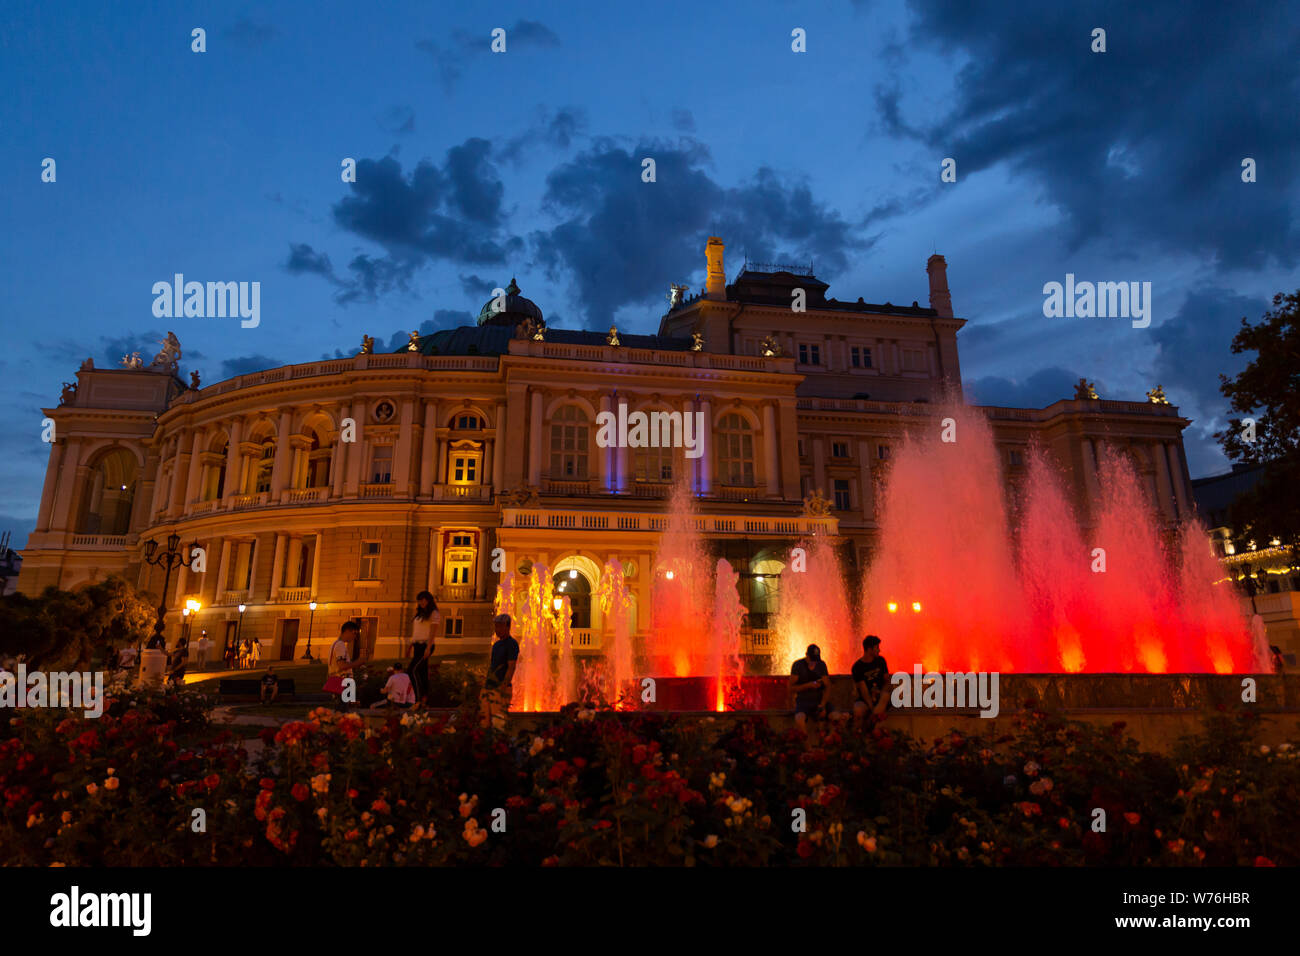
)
(61, 630)
(1267, 394)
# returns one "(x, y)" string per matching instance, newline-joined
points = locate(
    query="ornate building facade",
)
(355, 483)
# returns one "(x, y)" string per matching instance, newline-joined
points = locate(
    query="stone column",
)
(706, 441)
(356, 452)
(428, 459)
(535, 439)
(402, 453)
(605, 456)
(277, 566)
(481, 559)
(280, 466)
(770, 440)
(293, 561)
(339, 459)
(1164, 489)
(489, 458)
(435, 560)
(52, 470)
(223, 569)
(234, 461)
(316, 548)
(499, 454)
(621, 482)
(182, 481)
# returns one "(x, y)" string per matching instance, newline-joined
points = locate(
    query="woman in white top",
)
(424, 628)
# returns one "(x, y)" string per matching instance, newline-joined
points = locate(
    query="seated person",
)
(270, 686)
(870, 681)
(398, 690)
(811, 684)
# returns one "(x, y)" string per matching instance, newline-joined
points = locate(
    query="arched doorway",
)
(109, 494)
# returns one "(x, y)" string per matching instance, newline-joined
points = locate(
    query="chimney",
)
(940, 300)
(716, 286)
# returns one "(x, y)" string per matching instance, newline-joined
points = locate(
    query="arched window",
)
(214, 469)
(318, 462)
(569, 443)
(110, 491)
(264, 466)
(653, 464)
(735, 451)
(574, 585)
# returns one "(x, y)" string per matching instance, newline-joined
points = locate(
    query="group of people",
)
(810, 683)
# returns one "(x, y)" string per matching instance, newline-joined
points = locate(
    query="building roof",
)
(517, 309)
(777, 288)
(495, 340)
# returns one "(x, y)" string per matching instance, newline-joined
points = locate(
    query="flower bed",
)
(642, 789)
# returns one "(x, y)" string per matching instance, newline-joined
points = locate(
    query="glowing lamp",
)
(185, 612)
(573, 572)
(916, 606)
(893, 607)
(242, 607)
(668, 575)
(312, 605)
(193, 605)
(558, 603)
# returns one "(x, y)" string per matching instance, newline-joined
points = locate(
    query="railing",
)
(298, 496)
(736, 492)
(462, 492)
(203, 507)
(651, 489)
(570, 488)
(377, 489)
(256, 500)
(359, 363)
(584, 640)
(89, 542)
(293, 595)
(657, 522)
(233, 597)
(756, 641)
(456, 592)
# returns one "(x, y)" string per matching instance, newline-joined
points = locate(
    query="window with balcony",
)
(464, 468)
(574, 585)
(735, 451)
(381, 464)
(569, 443)
(370, 554)
(653, 464)
(318, 463)
(265, 464)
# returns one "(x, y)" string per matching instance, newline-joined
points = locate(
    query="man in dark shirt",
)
(494, 702)
(270, 686)
(870, 681)
(811, 685)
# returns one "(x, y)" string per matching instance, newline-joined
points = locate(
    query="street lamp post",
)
(239, 626)
(310, 621)
(167, 560)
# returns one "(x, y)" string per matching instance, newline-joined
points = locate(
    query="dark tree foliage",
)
(1267, 391)
(61, 630)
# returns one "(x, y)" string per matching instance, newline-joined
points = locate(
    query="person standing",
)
(424, 630)
(494, 702)
(339, 663)
(255, 650)
(201, 662)
(811, 684)
(870, 679)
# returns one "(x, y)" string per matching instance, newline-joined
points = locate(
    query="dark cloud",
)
(250, 34)
(451, 212)
(442, 319)
(683, 121)
(1140, 145)
(476, 288)
(231, 368)
(557, 130)
(1038, 390)
(621, 240)
(1195, 346)
(451, 57)
(397, 120)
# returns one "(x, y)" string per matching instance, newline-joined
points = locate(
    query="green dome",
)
(517, 308)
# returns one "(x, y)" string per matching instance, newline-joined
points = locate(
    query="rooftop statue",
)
(1157, 396)
(169, 357)
(88, 365)
(414, 344)
(816, 506)
(612, 337)
(676, 293)
(69, 393)
(697, 341)
(1085, 391)
(194, 380)
(132, 361)
(367, 345)
(769, 348)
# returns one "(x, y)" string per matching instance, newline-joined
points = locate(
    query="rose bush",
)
(150, 783)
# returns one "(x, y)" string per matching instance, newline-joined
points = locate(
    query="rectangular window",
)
(462, 541)
(839, 449)
(855, 356)
(454, 627)
(381, 464)
(841, 494)
(801, 451)
(810, 354)
(913, 360)
(369, 560)
(1016, 457)
(803, 354)
(464, 469)
(460, 574)
(882, 452)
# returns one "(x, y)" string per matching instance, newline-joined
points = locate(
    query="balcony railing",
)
(456, 592)
(736, 492)
(462, 492)
(298, 496)
(96, 542)
(584, 640)
(377, 490)
(203, 507)
(293, 595)
(756, 641)
(651, 489)
(658, 522)
(231, 598)
(571, 488)
(256, 500)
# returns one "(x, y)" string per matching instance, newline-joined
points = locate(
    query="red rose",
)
(267, 783)
(300, 792)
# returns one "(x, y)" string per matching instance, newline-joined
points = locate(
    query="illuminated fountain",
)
(616, 606)
(954, 588)
(815, 609)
